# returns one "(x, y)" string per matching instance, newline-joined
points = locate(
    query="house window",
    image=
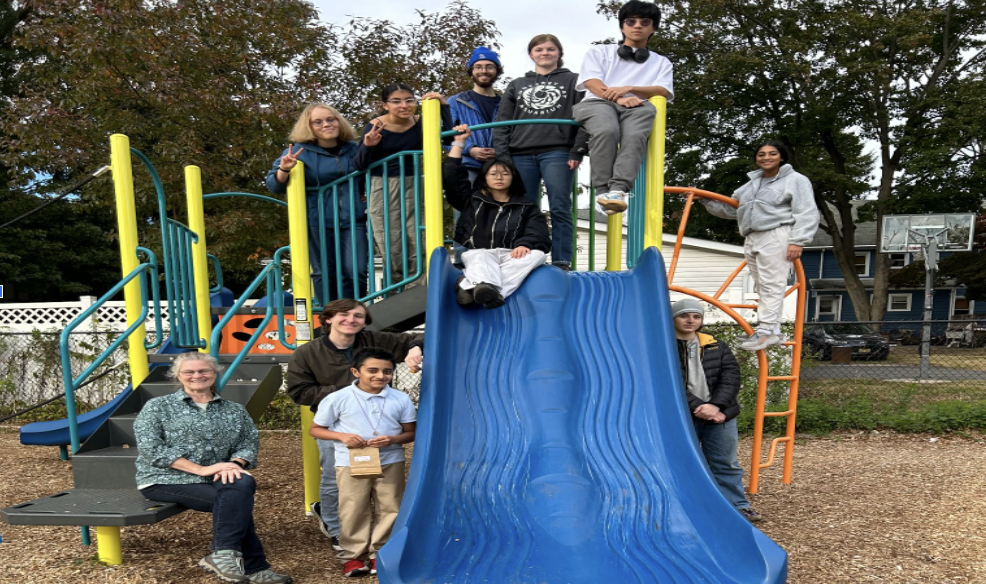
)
(898, 260)
(862, 263)
(829, 305)
(962, 306)
(899, 303)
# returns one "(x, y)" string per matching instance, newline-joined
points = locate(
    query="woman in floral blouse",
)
(194, 449)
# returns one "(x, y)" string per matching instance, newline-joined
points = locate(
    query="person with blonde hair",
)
(324, 141)
(196, 448)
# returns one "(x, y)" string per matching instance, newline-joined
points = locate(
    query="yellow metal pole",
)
(109, 550)
(431, 119)
(301, 286)
(654, 219)
(200, 263)
(614, 242)
(126, 218)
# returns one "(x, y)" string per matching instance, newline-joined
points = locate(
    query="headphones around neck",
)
(627, 53)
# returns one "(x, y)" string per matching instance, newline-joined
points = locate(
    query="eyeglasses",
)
(199, 372)
(499, 174)
(484, 68)
(325, 122)
(409, 101)
(644, 22)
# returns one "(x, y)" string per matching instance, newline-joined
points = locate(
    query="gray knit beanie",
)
(686, 305)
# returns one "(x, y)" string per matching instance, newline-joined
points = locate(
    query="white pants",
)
(766, 255)
(496, 267)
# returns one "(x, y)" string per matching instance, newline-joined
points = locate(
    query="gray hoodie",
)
(768, 203)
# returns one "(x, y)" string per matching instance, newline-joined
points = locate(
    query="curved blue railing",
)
(148, 274)
(254, 196)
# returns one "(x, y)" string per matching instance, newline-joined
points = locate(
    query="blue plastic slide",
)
(554, 445)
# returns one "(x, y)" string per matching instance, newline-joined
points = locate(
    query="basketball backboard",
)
(902, 233)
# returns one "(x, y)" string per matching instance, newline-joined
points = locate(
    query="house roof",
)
(866, 233)
(667, 239)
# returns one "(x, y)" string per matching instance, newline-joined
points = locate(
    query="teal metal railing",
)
(218, 269)
(271, 276)
(180, 283)
(147, 271)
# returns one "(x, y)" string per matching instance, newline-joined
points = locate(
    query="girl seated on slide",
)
(504, 233)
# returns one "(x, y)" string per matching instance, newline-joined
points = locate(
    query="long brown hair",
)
(547, 38)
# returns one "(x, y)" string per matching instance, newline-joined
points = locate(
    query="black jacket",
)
(722, 373)
(487, 224)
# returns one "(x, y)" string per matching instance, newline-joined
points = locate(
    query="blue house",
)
(828, 299)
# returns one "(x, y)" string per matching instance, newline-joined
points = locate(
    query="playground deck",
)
(885, 508)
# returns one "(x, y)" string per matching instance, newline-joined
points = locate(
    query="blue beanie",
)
(483, 54)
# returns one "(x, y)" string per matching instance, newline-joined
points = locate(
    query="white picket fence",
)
(54, 316)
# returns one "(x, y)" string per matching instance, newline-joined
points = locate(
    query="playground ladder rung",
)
(778, 414)
(750, 306)
(781, 378)
(773, 451)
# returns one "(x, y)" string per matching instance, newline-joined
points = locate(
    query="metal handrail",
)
(148, 274)
(254, 196)
(507, 123)
(217, 266)
(179, 283)
(270, 275)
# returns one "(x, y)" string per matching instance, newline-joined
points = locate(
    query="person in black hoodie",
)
(542, 151)
(712, 382)
(504, 233)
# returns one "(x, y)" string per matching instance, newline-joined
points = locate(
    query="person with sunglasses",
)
(618, 80)
(397, 129)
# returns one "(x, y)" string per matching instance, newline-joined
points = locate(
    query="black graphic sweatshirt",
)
(537, 96)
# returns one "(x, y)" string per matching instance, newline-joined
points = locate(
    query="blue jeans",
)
(346, 253)
(552, 168)
(231, 506)
(719, 442)
(329, 488)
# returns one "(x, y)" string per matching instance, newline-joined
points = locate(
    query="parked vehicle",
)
(866, 343)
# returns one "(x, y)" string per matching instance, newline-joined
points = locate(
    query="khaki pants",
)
(377, 210)
(367, 510)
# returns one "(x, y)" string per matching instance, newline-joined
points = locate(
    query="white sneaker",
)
(760, 340)
(613, 202)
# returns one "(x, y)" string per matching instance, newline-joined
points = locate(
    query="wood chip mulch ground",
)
(863, 508)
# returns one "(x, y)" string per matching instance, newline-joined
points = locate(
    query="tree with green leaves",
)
(877, 100)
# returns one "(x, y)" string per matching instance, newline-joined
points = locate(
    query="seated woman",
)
(324, 141)
(504, 233)
(397, 129)
(194, 449)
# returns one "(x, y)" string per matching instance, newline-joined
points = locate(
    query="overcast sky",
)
(574, 22)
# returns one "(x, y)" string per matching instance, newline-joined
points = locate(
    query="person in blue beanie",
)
(479, 105)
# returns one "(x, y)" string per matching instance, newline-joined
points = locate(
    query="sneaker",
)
(354, 568)
(269, 576)
(373, 567)
(227, 565)
(613, 202)
(760, 340)
(316, 509)
(487, 295)
(750, 515)
(565, 266)
(463, 297)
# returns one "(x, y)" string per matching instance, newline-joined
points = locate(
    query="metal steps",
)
(103, 470)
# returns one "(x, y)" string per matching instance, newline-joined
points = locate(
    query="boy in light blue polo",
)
(367, 414)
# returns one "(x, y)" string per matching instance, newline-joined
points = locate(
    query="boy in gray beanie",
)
(712, 382)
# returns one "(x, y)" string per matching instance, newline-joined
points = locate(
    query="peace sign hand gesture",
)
(290, 159)
(373, 137)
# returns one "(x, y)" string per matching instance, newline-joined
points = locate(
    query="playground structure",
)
(186, 273)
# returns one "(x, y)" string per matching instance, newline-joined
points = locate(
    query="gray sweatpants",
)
(617, 141)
